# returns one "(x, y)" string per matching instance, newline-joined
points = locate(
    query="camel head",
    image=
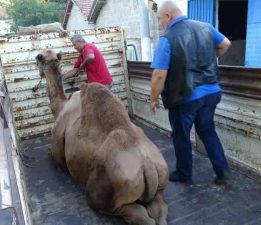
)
(49, 61)
(49, 64)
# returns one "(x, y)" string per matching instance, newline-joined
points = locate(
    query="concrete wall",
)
(77, 21)
(5, 26)
(123, 13)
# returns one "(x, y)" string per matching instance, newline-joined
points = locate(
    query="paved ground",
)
(56, 199)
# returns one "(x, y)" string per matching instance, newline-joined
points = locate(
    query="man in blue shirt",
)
(186, 75)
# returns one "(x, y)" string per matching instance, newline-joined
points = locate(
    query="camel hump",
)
(151, 180)
(101, 107)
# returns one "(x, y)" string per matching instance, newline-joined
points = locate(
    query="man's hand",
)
(82, 66)
(153, 105)
(72, 73)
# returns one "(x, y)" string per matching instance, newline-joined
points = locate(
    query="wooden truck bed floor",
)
(56, 199)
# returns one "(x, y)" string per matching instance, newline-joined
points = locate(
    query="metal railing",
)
(239, 81)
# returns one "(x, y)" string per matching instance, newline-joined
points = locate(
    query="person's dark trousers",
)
(201, 113)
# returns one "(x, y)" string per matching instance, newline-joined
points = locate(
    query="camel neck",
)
(55, 91)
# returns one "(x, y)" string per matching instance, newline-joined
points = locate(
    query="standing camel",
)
(123, 171)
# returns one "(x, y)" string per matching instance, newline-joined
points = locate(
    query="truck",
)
(33, 190)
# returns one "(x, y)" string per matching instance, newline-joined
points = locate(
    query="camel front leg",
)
(135, 214)
(158, 209)
(58, 144)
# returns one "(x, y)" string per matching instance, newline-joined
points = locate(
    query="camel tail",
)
(151, 180)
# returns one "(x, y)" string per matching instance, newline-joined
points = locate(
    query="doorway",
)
(232, 22)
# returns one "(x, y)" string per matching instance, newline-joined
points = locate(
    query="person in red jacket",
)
(91, 60)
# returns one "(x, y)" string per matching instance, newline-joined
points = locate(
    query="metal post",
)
(145, 31)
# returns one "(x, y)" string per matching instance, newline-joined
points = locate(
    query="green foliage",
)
(5, 2)
(35, 12)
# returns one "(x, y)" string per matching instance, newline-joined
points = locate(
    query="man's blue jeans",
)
(201, 113)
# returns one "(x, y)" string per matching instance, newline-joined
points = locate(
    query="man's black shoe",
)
(222, 179)
(176, 178)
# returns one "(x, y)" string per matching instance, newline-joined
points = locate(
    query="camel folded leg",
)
(58, 144)
(158, 209)
(99, 191)
(135, 214)
(100, 196)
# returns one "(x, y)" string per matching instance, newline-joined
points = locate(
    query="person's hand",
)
(81, 66)
(153, 105)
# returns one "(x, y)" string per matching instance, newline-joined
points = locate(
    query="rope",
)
(37, 86)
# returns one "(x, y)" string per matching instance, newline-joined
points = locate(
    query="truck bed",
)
(56, 199)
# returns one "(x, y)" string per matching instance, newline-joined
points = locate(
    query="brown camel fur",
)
(93, 137)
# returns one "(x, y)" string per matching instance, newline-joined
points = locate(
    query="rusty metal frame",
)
(239, 81)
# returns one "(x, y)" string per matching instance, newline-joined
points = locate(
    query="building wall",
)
(253, 45)
(113, 12)
(5, 26)
(77, 21)
(123, 13)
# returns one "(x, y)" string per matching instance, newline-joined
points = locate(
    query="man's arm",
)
(72, 73)
(157, 85)
(222, 48)
(89, 58)
(221, 42)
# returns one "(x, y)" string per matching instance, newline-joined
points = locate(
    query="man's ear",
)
(59, 56)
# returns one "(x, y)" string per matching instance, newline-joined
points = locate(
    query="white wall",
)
(123, 13)
(5, 26)
(77, 21)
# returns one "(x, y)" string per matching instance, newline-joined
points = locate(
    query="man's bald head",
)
(168, 11)
(171, 7)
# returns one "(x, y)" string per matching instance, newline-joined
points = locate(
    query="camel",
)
(123, 172)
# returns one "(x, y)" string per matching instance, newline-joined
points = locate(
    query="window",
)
(132, 52)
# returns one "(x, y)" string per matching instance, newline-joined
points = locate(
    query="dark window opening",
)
(232, 20)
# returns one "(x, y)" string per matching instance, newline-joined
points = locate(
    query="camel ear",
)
(59, 56)
(39, 57)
